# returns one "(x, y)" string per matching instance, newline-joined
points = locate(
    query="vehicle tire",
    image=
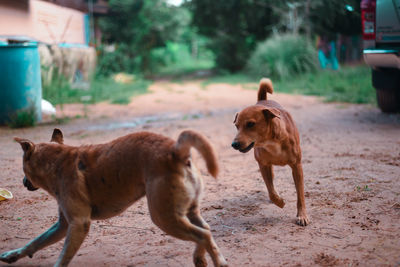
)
(387, 84)
(388, 100)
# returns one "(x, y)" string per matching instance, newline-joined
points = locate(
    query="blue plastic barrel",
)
(20, 82)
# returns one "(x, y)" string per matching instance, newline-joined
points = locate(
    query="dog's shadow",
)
(246, 212)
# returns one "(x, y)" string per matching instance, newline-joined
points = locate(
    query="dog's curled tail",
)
(265, 87)
(188, 139)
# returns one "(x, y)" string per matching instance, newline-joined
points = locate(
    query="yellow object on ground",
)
(5, 194)
(124, 78)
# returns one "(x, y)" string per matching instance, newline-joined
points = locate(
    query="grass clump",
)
(59, 91)
(282, 57)
(23, 118)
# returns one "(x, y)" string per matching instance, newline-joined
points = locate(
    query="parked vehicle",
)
(381, 34)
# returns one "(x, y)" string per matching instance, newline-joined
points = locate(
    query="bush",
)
(283, 56)
(121, 59)
(171, 58)
(231, 54)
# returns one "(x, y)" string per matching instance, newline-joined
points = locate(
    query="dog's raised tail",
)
(188, 139)
(265, 87)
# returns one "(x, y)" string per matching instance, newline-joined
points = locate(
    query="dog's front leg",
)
(297, 172)
(77, 231)
(52, 235)
(268, 176)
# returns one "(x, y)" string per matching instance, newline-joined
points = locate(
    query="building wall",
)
(44, 21)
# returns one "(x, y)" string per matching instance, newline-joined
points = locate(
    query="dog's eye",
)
(250, 124)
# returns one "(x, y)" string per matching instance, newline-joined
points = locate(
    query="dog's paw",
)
(223, 264)
(303, 220)
(278, 201)
(200, 262)
(11, 256)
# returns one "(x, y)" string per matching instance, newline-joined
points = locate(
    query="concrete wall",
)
(43, 21)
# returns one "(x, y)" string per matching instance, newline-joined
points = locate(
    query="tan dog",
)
(101, 181)
(270, 129)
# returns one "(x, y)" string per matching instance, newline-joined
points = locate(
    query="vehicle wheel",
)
(388, 100)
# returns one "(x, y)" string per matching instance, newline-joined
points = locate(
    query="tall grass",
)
(350, 84)
(101, 88)
(283, 56)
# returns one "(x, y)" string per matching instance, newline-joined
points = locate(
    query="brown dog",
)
(101, 181)
(270, 129)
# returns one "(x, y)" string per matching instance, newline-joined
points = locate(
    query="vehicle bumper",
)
(382, 58)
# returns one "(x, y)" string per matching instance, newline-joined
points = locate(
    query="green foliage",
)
(23, 118)
(55, 91)
(101, 89)
(365, 188)
(178, 59)
(282, 57)
(106, 89)
(138, 26)
(119, 60)
(233, 26)
(349, 84)
(328, 18)
(173, 59)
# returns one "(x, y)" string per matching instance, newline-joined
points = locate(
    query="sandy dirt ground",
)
(351, 161)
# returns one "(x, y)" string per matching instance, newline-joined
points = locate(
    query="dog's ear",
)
(278, 129)
(236, 115)
(26, 145)
(57, 136)
(270, 113)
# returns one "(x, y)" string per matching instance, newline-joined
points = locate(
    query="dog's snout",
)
(235, 145)
(28, 184)
(25, 181)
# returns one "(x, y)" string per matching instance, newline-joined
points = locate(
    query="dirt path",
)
(351, 160)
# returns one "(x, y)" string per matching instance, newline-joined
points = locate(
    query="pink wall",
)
(41, 20)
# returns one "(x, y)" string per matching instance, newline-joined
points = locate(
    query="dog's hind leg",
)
(77, 231)
(268, 176)
(199, 254)
(51, 236)
(196, 218)
(182, 228)
(297, 171)
(200, 251)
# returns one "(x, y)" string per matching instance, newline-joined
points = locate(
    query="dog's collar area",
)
(247, 149)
